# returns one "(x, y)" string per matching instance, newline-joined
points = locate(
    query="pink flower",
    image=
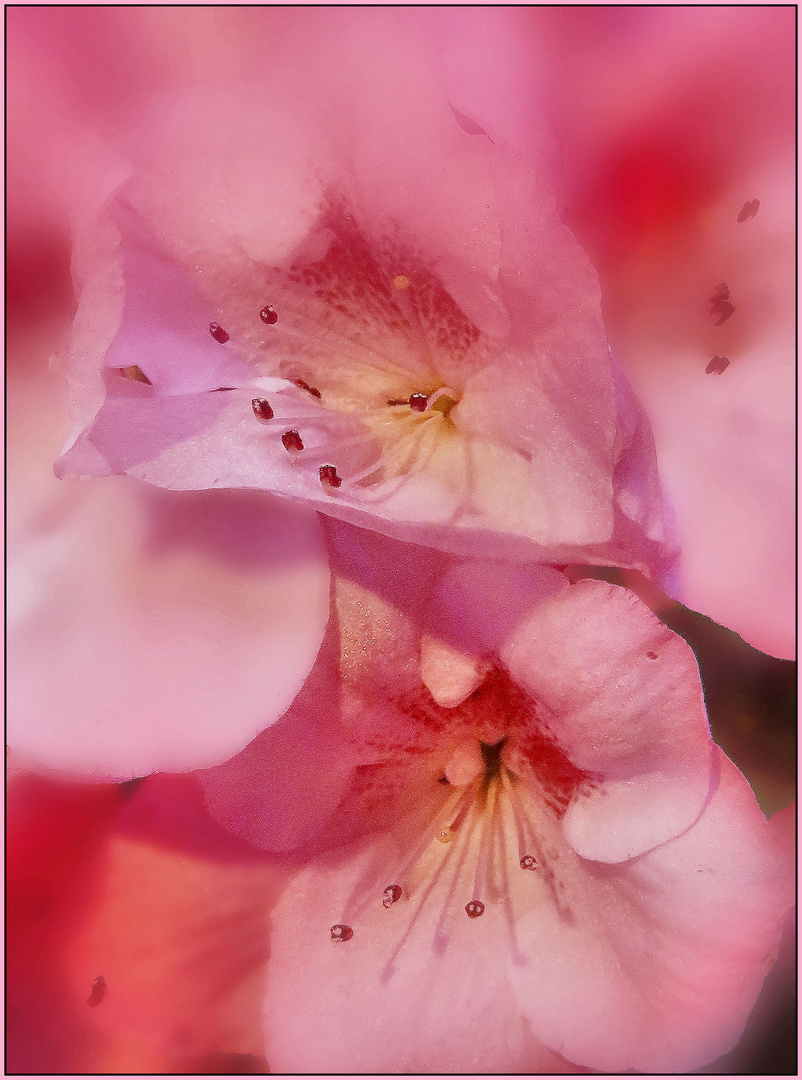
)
(325, 287)
(633, 892)
(560, 864)
(671, 121)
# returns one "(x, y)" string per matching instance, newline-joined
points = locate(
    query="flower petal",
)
(281, 791)
(624, 701)
(156, 631)
(55, 847)
(656, 182)
(661, 963)
(333, 1007)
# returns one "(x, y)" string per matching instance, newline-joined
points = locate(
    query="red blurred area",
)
(645, 187)
(56, 838)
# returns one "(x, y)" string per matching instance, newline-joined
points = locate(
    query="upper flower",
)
(322, 285)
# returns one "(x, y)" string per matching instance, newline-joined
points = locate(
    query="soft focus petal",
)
(281, 791)
(177, 927)
(56, 837)
(671, 119)
(153, 631)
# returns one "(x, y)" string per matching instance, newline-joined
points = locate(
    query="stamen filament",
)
(438, 873)
(401, 875)
(310, 418)
(522, 825)
(485, 845)
(356, 440)
(465, 806)
(440, 940)
(506, 895)
(416, 450)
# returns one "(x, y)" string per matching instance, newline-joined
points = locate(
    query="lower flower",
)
(507, 845)
(652, 964)
(558, 868)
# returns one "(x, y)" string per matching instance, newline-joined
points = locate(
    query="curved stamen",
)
(440, 940)
(389, 488)
(524, 829)
(466, 803)
(388, 968)
(477, 821)
(376, 357)
(362, 899)
(505, 893)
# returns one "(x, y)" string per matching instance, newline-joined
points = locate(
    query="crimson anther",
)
(392, 894)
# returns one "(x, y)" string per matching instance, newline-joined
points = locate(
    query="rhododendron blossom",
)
(392, 325)
(559, 864)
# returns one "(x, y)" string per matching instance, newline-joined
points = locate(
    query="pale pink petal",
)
(632, 966)
(382, 1004)
(382, 907)
(282, 791)
(475, 605)
(663, 957)
(622, 697)
(493, 85)
(150, 630)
